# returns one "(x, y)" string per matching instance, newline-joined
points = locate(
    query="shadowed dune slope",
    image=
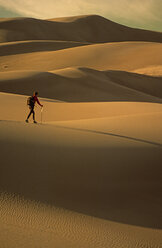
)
(108, 167)
(82, 85)
(124, 187)
(151, 85)
(127, 56)
(91, 28)
(18, 47)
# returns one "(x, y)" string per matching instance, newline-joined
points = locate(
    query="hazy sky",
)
(137, 13)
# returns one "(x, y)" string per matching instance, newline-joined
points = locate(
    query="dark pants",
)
(31, 112)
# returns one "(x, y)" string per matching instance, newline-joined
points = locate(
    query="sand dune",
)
(13, 107)
(89, 174)
(91, 28)
(82, 85)
(150, 70)
(127, 191)
(108, 56)
(121, 175)
(39, 225)
(10, 48)
(142, 127)
(151, 85)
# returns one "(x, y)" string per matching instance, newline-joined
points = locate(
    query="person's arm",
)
(36, 98)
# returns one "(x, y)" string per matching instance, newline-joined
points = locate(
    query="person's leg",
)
(33, 115)
(31, 111)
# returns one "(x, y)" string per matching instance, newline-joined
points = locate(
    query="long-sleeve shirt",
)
(36, 100)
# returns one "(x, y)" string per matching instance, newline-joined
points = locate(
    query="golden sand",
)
(89, 173)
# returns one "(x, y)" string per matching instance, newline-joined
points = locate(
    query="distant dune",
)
(17, 47)
(88, 175)
(151, 85)
(126, 56)
(84, 85)
(82, 73)
(91, 28)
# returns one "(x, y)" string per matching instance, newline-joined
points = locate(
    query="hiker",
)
(31, 103)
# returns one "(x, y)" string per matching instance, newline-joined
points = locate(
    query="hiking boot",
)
(34, 121)
(27, 121)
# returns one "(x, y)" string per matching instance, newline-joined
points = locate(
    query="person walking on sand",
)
(31, 102)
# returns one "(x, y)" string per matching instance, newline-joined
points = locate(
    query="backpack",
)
(30, 101)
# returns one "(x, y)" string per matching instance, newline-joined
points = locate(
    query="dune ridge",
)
(80, 28)
(107, 56)
(84, 85)
(151, 85)
(16, 47)
(63, 111)
(81, 230)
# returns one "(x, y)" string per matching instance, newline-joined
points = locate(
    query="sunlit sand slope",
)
(14, 107)
(128, 56)
(29, 224)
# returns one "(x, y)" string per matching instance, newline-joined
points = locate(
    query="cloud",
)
(134, 12)
(137, 13)
(7, 13)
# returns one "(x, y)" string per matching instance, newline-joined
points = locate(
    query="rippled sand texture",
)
(89, 174)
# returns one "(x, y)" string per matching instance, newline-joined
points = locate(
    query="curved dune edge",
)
(84, 85)
(32, 46)
(40, 225)
(143, 127)
(107, 56)
(61, 111)
(150, 70)
(79, 28)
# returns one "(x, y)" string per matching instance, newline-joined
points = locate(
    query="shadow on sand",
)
(94, 86)
(121, 184)
(112, 134)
